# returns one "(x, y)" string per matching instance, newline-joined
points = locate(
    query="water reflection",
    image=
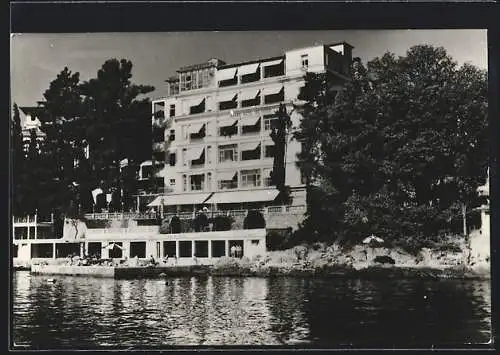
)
(79, 312)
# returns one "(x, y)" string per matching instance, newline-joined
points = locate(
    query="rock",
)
(385, 259)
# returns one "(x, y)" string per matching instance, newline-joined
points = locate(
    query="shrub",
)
(175, 225)
(200, 222)
(254, 220)
(222, 223)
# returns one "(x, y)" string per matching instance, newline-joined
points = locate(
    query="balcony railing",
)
(298, 209)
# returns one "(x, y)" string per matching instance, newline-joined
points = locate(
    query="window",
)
(229, 184)
(172, 159)
(200, 134)
(201, 248)
(172, 182)
(249, 78)
(198, 108)
(200, 161)
(209, 181)
(138, 249)
(172, 110)
(251, 154)
(197, 182)
(269, 121)
(228, 130)
(266, 174)
(228, 153)
(184, 157)
(184, 183)
(171, 136)
(228, 82)
(209, 154)
(185, 248)
(304, 58)
(273, 98)
(252, 102)
(227, 105)
(274, 70)
(250, 178)
(269, 151)
(251, 129)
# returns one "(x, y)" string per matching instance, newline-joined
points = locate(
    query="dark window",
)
(228, 82)
(201, 249)
(185, 249)
(171, 137)
(269, 151)
(169, 249)
(43, 250)
(65, 249)
(218, 248)
(172, 159)
(198, 108)
(251, 102)
(95, 249)
(138, 249)
(116, 252)
(14, 250)
(274, 70)
(228, 130)
(172, 109)
(199, 135)
(248, 78)
(199, 161)
(278, 97)
(21, 233)
(251, 154)
(227, 105)
(251, 129)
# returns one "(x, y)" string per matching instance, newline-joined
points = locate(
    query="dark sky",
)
(36, 59)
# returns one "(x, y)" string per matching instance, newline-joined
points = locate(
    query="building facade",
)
(211, 134)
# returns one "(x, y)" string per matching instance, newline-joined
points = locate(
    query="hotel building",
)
(211, 133)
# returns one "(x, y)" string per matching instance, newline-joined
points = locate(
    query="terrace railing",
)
(271, 210)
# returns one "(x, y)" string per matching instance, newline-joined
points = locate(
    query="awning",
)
(273, 90)
(274, 62)
(226, 175)
(226, 74)
(227, 96)
(249, 146)
(195, 153)
(157, 201)
(228, 122)
(180, 199)
(243, 196)
(196, 102)
(195, 128)
(250, 121)
(248, 95)
(248, 69)
(146, 163)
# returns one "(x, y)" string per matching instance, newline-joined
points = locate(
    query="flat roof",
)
(225, 66)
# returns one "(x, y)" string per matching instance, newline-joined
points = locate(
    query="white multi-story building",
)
(211, 134)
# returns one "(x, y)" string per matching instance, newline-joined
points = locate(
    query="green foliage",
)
(397, 150)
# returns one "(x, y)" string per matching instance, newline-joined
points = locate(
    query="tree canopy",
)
(90, 128)
(398, 150)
